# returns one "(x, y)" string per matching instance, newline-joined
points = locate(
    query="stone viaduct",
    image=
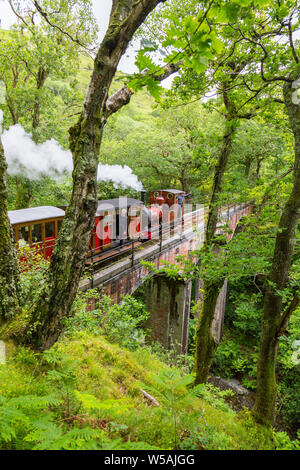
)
(168, 300)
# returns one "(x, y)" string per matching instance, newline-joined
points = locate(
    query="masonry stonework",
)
(168, 300)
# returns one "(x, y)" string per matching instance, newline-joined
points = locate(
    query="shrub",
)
(121, 323)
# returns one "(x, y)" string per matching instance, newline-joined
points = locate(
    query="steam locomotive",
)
(116, 221)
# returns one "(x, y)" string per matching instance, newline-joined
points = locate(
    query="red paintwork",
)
(102, 233)
(104, 226)
(161, 197)
(50, 243)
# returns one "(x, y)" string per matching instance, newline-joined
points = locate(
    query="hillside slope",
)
(86, 393)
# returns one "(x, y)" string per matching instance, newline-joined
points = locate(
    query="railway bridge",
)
(121, 272)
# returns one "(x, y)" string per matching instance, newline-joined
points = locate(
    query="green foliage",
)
(283, 442)
(33, 268)
(18, 415)
(238, 352)
(89, 309)
(121, 323)
(288, 373)
(38, 74)
(36, 58)
(171, 271)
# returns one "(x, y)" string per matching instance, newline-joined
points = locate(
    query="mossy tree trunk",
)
(275, 318)
(85, 139)
(206, 345)
(9, 270)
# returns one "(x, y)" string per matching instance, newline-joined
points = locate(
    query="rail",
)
(97, 259)
(163, 231)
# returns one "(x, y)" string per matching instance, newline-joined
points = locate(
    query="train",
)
(117, 221)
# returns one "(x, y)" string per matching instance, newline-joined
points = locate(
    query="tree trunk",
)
(23, 192)
(85, 139)
(247, 167)
(205, 343)
(13, 113)
(274, 320)
(40, 82)
(9, 270)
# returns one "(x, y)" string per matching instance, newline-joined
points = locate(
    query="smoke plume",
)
(25, 157)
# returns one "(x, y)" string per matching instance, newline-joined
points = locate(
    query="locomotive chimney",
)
(143, 196)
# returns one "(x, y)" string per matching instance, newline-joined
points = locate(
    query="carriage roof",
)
(118, 203)
(172, 191)
(33, 214)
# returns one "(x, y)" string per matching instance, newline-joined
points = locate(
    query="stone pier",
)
(168, 300)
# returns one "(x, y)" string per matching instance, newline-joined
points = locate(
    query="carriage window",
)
(170, 196)
(59, 224)
(37, 233)
(49, 230)
(23, 236)
(107, 217)
(134, 212)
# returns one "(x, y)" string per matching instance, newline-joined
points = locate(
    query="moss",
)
(15, 328)
(206, 346)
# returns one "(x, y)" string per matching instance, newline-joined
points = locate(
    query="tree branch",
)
(263, 59)
(286, 315)
(268, 190)
(291, 39)
(17, 14)
(55, 26)
(122, 97)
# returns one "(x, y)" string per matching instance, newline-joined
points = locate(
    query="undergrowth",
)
(102, 387)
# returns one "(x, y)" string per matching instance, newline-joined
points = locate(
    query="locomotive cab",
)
(168, 197)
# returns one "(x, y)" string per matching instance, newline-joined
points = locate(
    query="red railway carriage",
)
(116, 220)
(37, 227)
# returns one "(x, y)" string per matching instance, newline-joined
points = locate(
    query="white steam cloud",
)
(25, 157)
(49, 158)
(120, 175)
